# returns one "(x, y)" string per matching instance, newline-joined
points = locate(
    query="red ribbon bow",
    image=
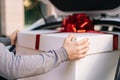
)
(77, 23)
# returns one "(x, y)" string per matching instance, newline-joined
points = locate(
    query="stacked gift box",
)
(44, 41)
(100, 64)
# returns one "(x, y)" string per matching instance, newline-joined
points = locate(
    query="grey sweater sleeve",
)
(5, 40)
(14, 67)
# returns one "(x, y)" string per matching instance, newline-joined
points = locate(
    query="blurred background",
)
(20, 14)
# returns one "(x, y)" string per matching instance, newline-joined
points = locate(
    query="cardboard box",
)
(93, 67)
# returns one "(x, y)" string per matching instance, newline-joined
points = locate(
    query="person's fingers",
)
(84, 46)
(82, 56)
(83, 51)
(82, 41)
(71, 37)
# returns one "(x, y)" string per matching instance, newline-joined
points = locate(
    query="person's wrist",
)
(66, 50)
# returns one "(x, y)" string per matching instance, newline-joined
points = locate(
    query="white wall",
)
(12, 16)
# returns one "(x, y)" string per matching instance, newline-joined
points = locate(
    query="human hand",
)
(13, 37)
(75, 49)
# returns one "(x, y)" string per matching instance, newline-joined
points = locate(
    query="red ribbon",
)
(37, 42)
(77, 23)
(115, 42)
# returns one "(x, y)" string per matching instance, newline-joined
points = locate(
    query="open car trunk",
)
(106, 13)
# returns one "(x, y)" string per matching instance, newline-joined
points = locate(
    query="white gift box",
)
(93, 67)
(44, 42)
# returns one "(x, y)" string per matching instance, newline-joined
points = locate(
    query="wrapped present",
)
(78, 24)
(45, 42)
